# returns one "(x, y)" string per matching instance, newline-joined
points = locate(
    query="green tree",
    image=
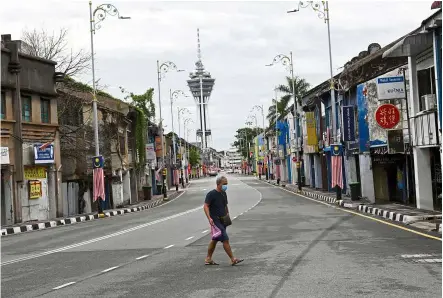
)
(301, 86)
(144, 102)
(194, 157)
(243, 134)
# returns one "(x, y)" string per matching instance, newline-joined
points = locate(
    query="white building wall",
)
(367, 178)
(307, 168)
(317, 165)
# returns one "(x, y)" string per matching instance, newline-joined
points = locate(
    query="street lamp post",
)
(322, 9)
(95, 18)
(172, 96)
(161, 70)
(262, 110)
(276, 137)
(289, 62)
(181, 112)
(186, 133)
(254, 117)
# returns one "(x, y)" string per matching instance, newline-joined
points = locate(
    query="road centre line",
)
(365, 216)
(100, 238)
(205, 231)
(169, 246)
(64, 285)
(142, 257)
(189, 238)
(109, 269)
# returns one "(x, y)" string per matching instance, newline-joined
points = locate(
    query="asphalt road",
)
(293, 247)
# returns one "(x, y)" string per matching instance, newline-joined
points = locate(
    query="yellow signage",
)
(310, 127)
(35, 189)
(33, 173)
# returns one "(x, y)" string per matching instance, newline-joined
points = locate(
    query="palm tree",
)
(301, 87)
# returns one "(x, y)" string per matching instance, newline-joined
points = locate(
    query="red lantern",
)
(387, 116)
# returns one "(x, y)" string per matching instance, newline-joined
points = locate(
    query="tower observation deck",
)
(201, 85)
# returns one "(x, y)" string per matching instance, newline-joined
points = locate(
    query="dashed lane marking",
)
(169, 246)
(205, 231)
(64, 285)
(416, 256)
(142, 257)
(110, 269)
(428, 261)
(189, 238)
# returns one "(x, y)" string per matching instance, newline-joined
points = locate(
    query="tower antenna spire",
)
(199, 51)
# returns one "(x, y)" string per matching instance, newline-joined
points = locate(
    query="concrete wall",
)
(318, 178)
(35, 209)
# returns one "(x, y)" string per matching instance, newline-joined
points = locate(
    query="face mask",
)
(224, 187)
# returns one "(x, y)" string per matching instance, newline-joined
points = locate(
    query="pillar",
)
(52, 191)
(367, 178)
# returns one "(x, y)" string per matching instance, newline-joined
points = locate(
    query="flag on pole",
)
(99, 184)
(336, 167)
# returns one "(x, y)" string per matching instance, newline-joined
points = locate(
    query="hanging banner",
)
(158, 146)
(395, 141)
(310, 128)
(348, 118)
(150, 151)
(362, 113)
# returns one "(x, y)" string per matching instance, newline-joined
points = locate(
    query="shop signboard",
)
(387, 116)
(396, 143)
(33, 173)
(390, 88)
(43, 153)
(35, 189)
(4, 158)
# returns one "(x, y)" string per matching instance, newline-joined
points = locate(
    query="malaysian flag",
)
(336, 167)
(99, 184)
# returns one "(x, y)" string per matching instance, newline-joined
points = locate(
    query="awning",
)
(410, 45)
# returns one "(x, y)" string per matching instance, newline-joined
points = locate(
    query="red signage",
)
(387, 116)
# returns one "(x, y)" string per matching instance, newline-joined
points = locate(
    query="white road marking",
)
(109, 269)
(205, 231)
(142, 257)
(169, 246)
(416, 256)
(428, 261)
(65, 285)
(189, 238)
(100, 238)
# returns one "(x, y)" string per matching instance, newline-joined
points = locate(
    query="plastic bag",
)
(215, 232)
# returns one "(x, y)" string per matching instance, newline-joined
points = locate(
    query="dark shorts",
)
(224, 235)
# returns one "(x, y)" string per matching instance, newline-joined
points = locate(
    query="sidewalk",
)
(423, 219)
(156, 200)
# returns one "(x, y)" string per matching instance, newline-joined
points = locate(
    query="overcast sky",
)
(237, 39)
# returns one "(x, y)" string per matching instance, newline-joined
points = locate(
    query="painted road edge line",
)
(109, 269)
(365, 216)
(64, 285)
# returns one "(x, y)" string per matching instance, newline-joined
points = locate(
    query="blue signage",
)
(348, 123)
(362, 112)
(43, 153)
(389, 80)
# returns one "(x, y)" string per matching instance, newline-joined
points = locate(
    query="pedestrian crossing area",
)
(423, 258)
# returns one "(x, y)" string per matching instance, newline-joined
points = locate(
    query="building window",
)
(122, 144)
(45, 106)
(3, 106)
(426, 87)
(26, 108)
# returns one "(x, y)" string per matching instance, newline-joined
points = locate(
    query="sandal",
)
(236, 261)
(211, 262)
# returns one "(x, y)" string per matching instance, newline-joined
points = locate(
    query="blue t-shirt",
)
(217, 202)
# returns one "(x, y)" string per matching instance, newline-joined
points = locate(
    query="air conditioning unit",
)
(428, 102)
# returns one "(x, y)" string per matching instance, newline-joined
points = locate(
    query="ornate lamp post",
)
(322, 10)
(95, 18)
(162, 69)
(174, 95)
(185, 122)
(262, 110)
(289, 63)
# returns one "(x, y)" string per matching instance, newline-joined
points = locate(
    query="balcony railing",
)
(425, 127)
